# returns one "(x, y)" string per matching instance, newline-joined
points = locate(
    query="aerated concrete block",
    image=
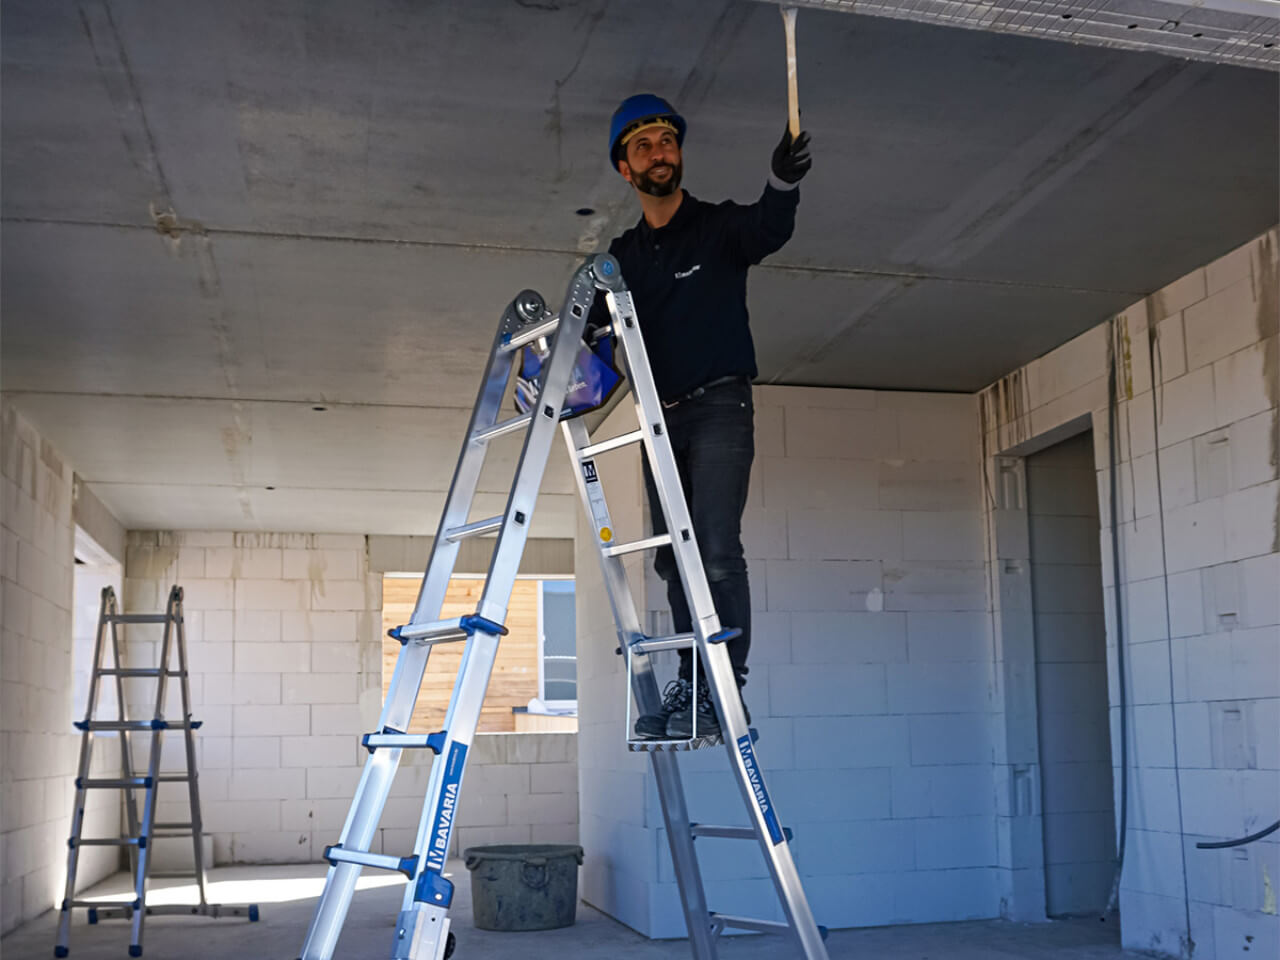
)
(950, 738)
(311, 688)
(1221, 324)
(1243, 383)
(1187, 406)
(269, 784)
(841, 434)
(1195, 535)
(845, 637)
(827, 690)
(270, 595)
(868, 741)
(830, 534)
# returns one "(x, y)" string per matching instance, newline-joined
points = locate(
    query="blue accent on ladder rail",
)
(473, 622)
(757, 788)
(434, 889)
(446, 808)
(722, 636)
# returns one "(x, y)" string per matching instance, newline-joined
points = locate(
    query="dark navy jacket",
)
(689, 281)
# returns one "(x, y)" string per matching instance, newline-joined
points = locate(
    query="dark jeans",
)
(713, 438)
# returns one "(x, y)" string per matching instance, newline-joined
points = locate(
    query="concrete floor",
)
(287, 894)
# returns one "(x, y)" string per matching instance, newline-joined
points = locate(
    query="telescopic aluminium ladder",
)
(422, 928)
(141, 832)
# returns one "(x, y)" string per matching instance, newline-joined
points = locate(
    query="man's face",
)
(652, 164)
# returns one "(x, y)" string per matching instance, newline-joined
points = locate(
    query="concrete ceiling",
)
(218, 216)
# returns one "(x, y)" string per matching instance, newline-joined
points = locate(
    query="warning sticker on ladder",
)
(595, 499)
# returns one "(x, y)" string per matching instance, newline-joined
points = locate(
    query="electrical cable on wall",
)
(1240, 841)
(1113, 431)
(1157, 376)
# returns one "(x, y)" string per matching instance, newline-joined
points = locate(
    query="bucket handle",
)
(533, 871)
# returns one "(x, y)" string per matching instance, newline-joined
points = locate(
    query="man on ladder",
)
(552, 375)
(686, 264)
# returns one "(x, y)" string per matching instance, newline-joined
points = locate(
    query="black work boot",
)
(676, 696)
(680, 725)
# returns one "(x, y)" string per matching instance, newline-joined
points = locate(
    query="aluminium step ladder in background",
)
(142, 830)
(422, 928)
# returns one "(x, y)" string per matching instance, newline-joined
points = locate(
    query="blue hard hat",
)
(637, 111)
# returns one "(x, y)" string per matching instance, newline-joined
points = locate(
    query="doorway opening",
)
(1073, 710)
(95, 569)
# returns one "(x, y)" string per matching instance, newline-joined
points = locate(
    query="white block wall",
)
(38, 746)
(285, 657)
(871, 675)
(1200, 571)
(285, 638)
(519, 788)
(618, 833)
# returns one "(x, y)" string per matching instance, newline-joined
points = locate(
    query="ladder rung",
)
(390, 738)
(729, 833)
(171, 835)
(406, 865)
(604, 446)
(137, 724)
(172, 826)
(140, 618)
(529, 334)
(136, 672)
(249, 910)
(438, 631)
(679, 641)
(476, 528)
(648, 543)
(721, 921)
(106, 904)
(503, 428)
(119, 783)
(174, 777)
(107, 842)
(446, 631)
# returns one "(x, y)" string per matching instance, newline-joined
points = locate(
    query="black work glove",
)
(791, 159)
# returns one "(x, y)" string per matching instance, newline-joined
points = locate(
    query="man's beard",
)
(645, 184)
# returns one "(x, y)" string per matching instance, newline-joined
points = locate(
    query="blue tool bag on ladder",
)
(591, 384)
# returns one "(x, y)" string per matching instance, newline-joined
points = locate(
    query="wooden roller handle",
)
(793, 96)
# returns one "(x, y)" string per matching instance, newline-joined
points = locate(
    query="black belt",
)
(709, 385)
